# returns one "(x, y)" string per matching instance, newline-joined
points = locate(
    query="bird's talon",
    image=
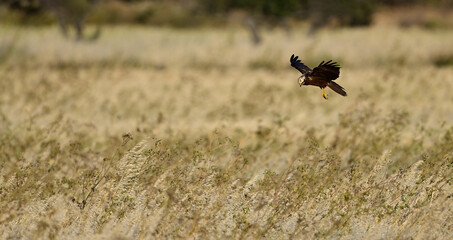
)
(324, 94)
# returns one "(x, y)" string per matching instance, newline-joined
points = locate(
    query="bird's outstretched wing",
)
(326, 71)
(295, 63)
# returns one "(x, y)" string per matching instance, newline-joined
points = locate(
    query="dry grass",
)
(156, 133)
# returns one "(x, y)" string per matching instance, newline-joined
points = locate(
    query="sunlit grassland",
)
(153, 132)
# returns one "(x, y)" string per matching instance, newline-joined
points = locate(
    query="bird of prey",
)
(321, 76)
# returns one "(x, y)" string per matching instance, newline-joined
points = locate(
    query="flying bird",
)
(321, 76)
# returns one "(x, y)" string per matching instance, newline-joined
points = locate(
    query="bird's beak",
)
(300, 84)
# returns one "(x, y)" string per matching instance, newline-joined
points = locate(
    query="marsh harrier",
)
(321, 76)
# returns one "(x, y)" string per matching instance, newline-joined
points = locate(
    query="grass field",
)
(157, 133)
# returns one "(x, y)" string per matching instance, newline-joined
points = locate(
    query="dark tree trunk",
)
(79, 29)
(249, 23)
(62, 24)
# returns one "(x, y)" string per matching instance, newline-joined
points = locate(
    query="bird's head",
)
(301, 81)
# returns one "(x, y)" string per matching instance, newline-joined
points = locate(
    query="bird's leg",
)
(324, 94)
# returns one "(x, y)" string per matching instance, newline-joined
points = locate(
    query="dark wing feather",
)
(326, 71)
(295, 63)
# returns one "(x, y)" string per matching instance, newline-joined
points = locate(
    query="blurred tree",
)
(343, 13)
(29, 7)
(273, 12)
(319, 12)
(73, 12)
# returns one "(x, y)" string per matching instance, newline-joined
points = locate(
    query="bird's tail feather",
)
(337, 88)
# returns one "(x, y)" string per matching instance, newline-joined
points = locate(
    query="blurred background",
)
(128, 119)
(391, 39)
(88, 20)
(254, 15)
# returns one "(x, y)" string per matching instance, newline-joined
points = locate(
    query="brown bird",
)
(321, 76)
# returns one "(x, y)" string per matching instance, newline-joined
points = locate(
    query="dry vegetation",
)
(156, 133)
